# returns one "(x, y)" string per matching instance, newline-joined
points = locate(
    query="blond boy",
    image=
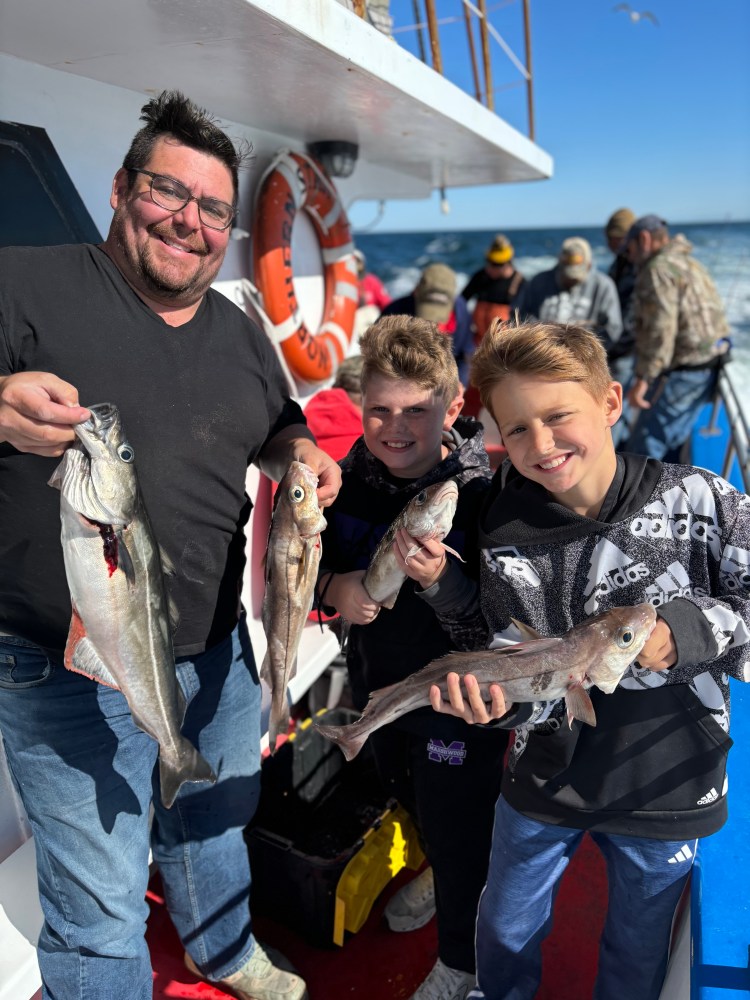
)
(574, 530)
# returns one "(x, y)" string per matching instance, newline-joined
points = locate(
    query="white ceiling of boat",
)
(303, 69)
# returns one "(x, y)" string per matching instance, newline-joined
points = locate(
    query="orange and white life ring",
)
(293, 182)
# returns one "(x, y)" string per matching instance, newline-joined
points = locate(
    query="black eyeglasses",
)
(168, 193)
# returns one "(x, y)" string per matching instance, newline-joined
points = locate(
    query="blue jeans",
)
(515, 911)
(86, 776)
(679, 398)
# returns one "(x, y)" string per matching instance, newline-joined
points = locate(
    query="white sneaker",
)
(444, 983)
(414, 905)
(267, 975)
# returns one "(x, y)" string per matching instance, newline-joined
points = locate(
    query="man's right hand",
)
(38, 411)
(637, 394)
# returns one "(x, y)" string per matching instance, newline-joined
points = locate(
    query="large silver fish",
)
(596, 652)
(120, 626)
(427, 515)
(292, 563)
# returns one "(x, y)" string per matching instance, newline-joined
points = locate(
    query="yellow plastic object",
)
(390, 844)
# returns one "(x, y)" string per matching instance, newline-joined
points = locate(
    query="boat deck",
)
(376, 964)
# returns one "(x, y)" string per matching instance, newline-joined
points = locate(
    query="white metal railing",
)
(738, 440)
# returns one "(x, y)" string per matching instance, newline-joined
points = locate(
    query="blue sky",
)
(656, 118)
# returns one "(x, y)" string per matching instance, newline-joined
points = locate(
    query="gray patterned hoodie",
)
(675, 536)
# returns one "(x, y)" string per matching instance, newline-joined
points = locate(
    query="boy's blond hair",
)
(405, 347)
(553, 351)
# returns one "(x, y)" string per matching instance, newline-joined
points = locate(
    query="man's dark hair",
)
(171, 113)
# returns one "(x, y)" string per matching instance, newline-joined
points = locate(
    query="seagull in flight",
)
(636, 15)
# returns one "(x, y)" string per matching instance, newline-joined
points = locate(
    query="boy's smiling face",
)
(403, 425)
(559, 436)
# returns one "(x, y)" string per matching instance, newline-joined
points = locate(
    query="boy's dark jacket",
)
(402, 640)
(677, 537)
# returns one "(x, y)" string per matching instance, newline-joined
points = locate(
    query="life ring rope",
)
(295, 182)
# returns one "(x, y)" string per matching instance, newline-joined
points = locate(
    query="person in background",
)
(446, 775)
(134, 321)
(494, 287)
(680, 338)
(574, 292)
(434, 299)
(335, 415)
(621, 355)
(372, 291)
(373, 297)
(572, 530)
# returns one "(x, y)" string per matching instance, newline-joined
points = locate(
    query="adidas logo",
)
(684, 854)
(610, 569)
(675, 582)
(711, 796)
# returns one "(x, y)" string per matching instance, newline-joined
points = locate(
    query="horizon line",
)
(537, 228)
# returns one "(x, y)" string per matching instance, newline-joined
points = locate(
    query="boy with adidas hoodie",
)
(575, 530)
(446, 775)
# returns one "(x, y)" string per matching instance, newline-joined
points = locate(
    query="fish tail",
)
(349, 740)
(279, 718)
(174, 771)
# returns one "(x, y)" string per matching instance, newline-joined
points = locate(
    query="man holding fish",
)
(573, 530)
(134, 322)
(412, 487)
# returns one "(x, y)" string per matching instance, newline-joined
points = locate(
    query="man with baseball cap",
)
(494, 286)
(434, 299)
(574, 292)
(621, 356)
(680, 337)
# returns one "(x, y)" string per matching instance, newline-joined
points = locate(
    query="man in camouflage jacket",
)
(679, 328)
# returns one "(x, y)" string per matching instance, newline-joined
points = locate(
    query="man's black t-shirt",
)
(197, 401)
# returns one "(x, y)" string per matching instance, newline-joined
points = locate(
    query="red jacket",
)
(334, 420)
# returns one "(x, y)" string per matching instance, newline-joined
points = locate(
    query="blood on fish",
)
(110, 546)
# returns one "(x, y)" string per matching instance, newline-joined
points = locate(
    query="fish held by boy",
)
(120, 632)
(428, 515)
(292, 561)
(596, 652)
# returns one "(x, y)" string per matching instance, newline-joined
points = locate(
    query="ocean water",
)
(723, 247)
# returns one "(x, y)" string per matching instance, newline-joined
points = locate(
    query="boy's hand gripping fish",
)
(291, 571)
(596, 652)
(429, 514)
(120, 632)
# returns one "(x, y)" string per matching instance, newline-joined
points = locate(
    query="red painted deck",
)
(376, 964)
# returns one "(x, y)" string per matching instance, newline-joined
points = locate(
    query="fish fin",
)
(188, 765)
(173, 611)
(340, 628)
(412, 552)
(82, 658)
(124, 559)
(454, 553)
(167, 566)
(349, 743)
(578, 705)
(529, 647)
(527, 632)
(265, 669)
(278, 722)
(56, 479)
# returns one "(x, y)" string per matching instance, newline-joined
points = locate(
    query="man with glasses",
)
(135, 322)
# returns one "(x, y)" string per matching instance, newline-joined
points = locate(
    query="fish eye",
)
(126, 453)
(625, 637)
(296, 494)
(420, 498)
